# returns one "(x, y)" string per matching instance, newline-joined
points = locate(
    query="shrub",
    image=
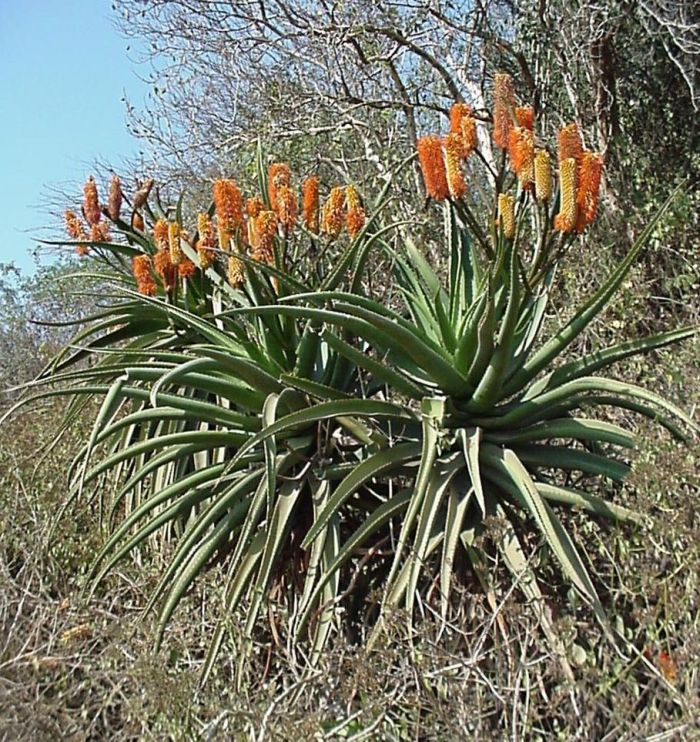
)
(260, 409)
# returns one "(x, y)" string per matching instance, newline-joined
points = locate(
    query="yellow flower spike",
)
(206, 242)
(506, 215)
(176, 254)
(453, 165)
(355, 218)
(565, 220)
(543, 176)
(236, 271)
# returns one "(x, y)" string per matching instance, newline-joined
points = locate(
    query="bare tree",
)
(227, 72)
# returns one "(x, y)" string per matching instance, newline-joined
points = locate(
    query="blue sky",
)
(64, 70)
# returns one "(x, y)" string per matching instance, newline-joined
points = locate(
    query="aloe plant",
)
(261, 410)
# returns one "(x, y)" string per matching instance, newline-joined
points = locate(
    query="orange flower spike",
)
(525, 116)
(141, 266)
(228, 204)
(186, 268)
(266, 229)
(160, 234)
(522, 154)
(565, 220)
(453, 163)
(570, 143)
(253, 206)
(458, 113)
(286, 208)
(114, 202)
(164, 268)
(333, 216)
(82, 250)
(470, 140)
(99, 232)
(506, 215)
(503, 108)
(590, 173)
(543, 175)
(74, 227)
(91, 203)
(355, 219)
(206, 241)
(432, 165)
(310, 210)
(176, 255)
(278, 175)
(137, 221)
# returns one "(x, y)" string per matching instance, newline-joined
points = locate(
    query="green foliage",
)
(325, 448)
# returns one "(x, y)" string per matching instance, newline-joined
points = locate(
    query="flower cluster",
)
(239, 227)
(442, 158)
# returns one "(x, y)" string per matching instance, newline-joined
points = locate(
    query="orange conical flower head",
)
(309, 190)
(278, 175)
(74, 227)
(453, 164)
(228, 204)
(543, 176)
(590, 174)
(114, 204)
(565, 220)
(432, 165)
(145, 284)
(206, 242)
(99, 232)
(522, 154)
(186, 268)
(458, 113)
(137, 221)
(525, 116)
(570, 143)
(91, 203)
(355, 219)
(503, 109)
(266, 229)
(164, 268)
(286, 208)
(236, 271)
(470, 140)
(176, 255)
(506, 215)
(160, 234)
(333, 216)
(253, 206)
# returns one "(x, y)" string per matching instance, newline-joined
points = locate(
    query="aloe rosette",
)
(263, 411)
